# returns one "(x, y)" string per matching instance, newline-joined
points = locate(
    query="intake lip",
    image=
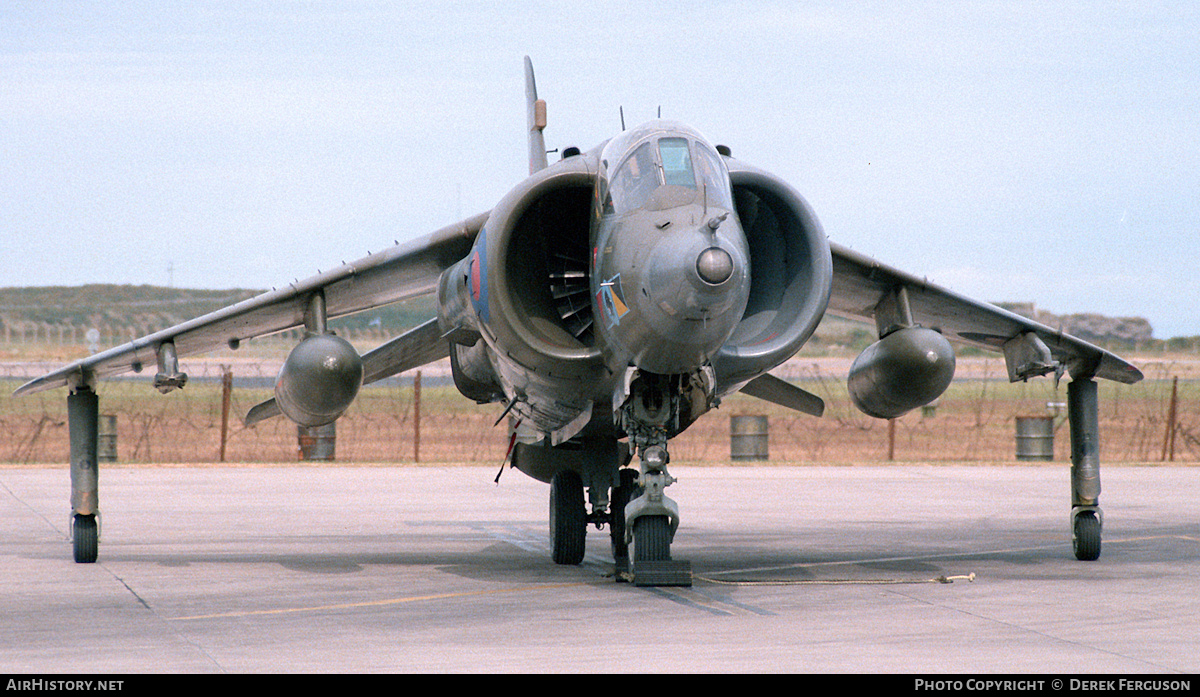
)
(714, 266)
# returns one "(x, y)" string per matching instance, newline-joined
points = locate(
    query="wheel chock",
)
(669, 572)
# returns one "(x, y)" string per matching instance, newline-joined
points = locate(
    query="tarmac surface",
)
(286, 569)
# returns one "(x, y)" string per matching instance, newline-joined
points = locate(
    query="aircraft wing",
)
(403, 271)
(865, 289)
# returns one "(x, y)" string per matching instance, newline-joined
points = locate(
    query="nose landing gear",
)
(651, 520)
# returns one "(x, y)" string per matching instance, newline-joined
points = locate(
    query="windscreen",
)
(676, 162)
(671, 161)
(635, 180)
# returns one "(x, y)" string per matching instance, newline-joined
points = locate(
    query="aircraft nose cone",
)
(714, 265)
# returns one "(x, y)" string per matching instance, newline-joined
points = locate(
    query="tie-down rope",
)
(970, 578)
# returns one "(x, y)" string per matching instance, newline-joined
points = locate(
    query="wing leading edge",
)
(403, 271)
(866, 289)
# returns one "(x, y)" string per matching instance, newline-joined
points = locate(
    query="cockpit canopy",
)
(662, 166)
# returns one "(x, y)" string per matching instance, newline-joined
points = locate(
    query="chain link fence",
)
(972, 422)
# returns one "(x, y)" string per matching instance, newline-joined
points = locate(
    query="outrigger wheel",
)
(568, 518)
(85, 537)
(1085, 536)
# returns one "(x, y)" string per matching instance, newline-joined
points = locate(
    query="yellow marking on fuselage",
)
(621, 307)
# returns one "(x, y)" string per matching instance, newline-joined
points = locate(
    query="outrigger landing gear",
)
(1086, 518)
(83, 425)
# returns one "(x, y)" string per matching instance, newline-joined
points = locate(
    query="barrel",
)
(1035, 437)
(106, 438)
(317, 442)
(748, 437)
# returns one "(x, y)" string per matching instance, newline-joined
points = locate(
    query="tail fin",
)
(536, 109)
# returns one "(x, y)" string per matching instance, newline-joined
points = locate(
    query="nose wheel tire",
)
(651, 539)
(568, 518)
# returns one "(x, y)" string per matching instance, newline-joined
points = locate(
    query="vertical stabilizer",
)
(537, 121)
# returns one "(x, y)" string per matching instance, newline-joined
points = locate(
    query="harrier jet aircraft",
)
(605, 304)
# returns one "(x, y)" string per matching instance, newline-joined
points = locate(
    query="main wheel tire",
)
(85, 538)
(1086, 537)
(622, 494)
(652, 538)
(568, 518)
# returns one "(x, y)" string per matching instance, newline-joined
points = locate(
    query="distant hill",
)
(149, 308)
(138, 310)
(1094, 328)
(95, 305)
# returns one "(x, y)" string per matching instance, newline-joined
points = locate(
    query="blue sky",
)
(1029, 151)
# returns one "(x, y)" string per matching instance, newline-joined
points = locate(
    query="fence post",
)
(226, 394)
(1169, 436)
(891, 456)
(417, 417)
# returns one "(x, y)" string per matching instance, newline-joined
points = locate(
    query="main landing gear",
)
(625, 491)
(568, 518)
(641, 520)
